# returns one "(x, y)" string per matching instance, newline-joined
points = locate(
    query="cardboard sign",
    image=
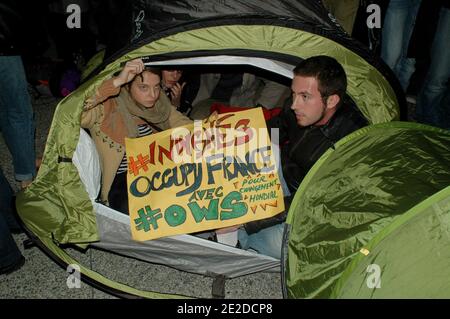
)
(215, 173)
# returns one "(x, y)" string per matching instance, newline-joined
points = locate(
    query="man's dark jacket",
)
(301, 147)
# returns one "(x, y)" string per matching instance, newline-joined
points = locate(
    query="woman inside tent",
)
(170, 83)
(181, 87)
(126, 106)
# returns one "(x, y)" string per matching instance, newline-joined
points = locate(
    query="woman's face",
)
(171, 77)
(145, 89)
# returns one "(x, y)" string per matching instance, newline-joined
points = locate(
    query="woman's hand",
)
(175, 93)
(131, 69)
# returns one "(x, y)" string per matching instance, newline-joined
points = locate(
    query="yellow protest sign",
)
(214, 173)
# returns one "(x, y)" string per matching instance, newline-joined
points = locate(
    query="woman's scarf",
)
(121, 118)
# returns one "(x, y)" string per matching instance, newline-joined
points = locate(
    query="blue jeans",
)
(275, 141)
(16, 117)
(267, 241)
(397, 30)
(9, 253)
(429, 107)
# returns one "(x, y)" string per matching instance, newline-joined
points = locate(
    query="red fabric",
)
(221, 108)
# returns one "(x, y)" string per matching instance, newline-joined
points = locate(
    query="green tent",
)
(60, 207)
(372, 218)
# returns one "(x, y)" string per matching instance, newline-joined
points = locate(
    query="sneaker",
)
(12, 268)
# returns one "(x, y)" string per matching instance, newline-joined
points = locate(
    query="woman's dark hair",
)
(329, 73)
(153, 70)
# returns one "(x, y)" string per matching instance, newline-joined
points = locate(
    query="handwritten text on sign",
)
(211, 174)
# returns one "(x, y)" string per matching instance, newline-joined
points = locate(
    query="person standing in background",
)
(17, 127)
(398, 26)
(431, 107)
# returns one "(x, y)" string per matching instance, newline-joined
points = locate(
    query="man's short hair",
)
(329, 73)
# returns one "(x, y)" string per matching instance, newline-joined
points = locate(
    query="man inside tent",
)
(320, 115)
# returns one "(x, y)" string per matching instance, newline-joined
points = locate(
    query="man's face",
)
(145, 92)
(307, 102)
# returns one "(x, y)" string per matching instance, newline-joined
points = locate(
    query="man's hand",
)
(227, 229)
(131, 69)
(175, 93)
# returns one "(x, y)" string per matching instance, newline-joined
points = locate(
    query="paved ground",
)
(40, 277)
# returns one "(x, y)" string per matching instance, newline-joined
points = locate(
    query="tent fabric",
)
(412, 253)
(149, 17)
(151, 20)
(184, 252)
(354, 193)
(271, 41)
